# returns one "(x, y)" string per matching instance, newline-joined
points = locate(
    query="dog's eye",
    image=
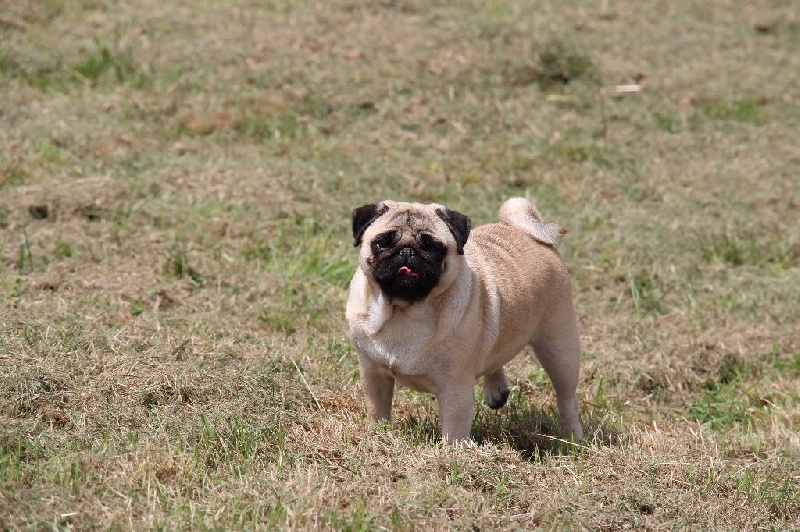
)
(383, 241)
(430, 244)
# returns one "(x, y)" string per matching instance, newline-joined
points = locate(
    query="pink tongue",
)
(405, 270)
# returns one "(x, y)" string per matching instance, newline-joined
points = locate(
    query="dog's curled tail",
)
(521, 213)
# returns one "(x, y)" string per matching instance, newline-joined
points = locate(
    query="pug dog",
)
(435, 304)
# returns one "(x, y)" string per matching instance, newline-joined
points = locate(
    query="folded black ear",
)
(458, 224)
(362, 217)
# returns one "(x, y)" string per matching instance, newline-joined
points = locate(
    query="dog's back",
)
(523, 281)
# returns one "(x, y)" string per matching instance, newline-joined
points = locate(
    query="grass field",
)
(176, 181)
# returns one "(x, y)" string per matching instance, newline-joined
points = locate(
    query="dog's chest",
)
(403, 345)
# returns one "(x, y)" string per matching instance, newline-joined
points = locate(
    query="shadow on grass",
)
(534, 433)
(531, 431)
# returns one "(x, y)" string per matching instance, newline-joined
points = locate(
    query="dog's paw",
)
(497, 399)
(495, 389)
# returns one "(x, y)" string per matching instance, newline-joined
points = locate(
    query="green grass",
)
(705, 112)
(99, 67)
(176, 185)
(751, 250)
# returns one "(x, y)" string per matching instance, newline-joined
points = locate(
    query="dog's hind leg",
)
(558, 349)
(495, 388)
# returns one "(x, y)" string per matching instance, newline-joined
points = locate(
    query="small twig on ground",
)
(622, 90)
(305, 383)
(568, 442)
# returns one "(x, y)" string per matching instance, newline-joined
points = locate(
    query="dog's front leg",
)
(378, 387)
(457, 408)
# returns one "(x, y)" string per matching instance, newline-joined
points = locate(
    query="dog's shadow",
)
(531, 431)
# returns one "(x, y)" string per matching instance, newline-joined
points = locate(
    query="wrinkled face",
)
(406, 246)
(407, 263)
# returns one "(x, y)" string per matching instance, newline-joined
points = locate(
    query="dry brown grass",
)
(175, 188)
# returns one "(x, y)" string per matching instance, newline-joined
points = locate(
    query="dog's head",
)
(408, 248)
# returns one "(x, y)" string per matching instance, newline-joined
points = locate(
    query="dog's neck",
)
(400, 304)
(383, 308)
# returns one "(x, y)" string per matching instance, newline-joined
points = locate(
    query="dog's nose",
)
(407, 253)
